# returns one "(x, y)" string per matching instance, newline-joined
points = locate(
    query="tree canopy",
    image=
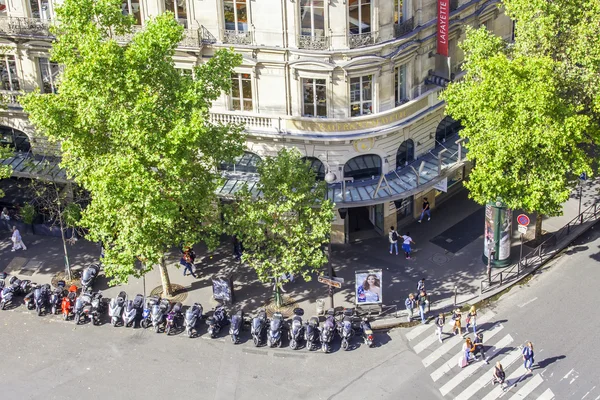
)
(530, 110)
(135, 132)
(285, 221)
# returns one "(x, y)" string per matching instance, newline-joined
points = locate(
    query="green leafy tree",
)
(285, 222)
(135, 134)
(530, 110)
(5, 170)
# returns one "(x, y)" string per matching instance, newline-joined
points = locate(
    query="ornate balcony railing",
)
(361, 39)
(404, 27)
(237, 37)
(249, 121)
(191, 38)
(313, 42)
(126, 37)
(206, 36)
(10, 98)
(24, 26)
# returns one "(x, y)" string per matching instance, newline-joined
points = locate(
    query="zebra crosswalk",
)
(474, 381)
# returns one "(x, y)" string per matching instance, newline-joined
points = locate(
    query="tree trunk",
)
(538, 226)
(277, 294)
(164, 277)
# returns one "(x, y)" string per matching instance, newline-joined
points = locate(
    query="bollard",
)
(455, 292)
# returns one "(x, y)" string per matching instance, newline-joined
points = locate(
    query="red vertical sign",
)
(442, 26)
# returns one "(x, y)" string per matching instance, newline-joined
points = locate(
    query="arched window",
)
(317, 166)
(363, 167)
(405, 154)
(248, 162)
(14, 138)
(447, 128)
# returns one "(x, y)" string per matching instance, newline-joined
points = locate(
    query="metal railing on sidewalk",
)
(547, 249)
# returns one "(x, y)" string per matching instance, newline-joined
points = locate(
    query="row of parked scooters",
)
(162, 315)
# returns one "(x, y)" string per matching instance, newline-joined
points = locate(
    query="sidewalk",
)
(456, 225)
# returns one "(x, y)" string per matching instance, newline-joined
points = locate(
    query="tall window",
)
(312, 16)
(400, 85)
(315, 97)
(359, 16)
(241, 92)
(405, 154)
(132, 7)
(8, 72)
(236, 15)
(179, 8)
(49, 71)
(41, 9)
(361, 95)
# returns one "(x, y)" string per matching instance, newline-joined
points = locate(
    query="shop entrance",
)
(365, 222)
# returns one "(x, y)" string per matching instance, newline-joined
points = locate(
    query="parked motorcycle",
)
(83, 307)
(89, 275)
(159, 313)
(6, 296)
(192, 316)
(29, 298)
(311, 332)
(237, 323)
(257, 328)
(41, 297)
(22, 287)
(132, 309)
(345, 329)
(98, 307)
(68, 301)
(296, 332)
(367, 332)
(115, 308)
(328, 331)
(274, 333)
(147, 312)
(56, 297)
(174, 318)
(217, 321)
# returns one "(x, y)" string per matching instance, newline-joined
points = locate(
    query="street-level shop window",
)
(455, 178)
(49, 71)
(312, 17)
(179, 8)
(236, 15)
(241, 92)
(41, 9)
(314, 94)
(132, 7)
(359, 16)
(400, 85)
(361, 95)
(8, 71)
(404, 208)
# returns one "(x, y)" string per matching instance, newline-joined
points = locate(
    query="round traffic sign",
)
(523, 219)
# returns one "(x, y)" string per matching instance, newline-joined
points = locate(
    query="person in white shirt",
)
(17, 240)
(406, 245)
(393, 235)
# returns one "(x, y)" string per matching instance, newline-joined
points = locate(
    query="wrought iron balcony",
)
(24, 26)
(361, 39)
(206, 36)
(313, 42)
(404, 27)
(237, 37)
(191, 38)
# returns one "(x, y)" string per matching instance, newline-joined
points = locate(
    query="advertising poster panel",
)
(368, 286)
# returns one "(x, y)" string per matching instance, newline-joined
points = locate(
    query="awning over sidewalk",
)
(28, 165)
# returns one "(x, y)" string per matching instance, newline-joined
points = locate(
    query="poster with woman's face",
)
(368, 286)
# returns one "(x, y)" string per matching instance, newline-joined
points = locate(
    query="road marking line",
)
(450, 343)
(547, 395)
(472, 369)
(527, 302)
(528, 387)
(487, 377)
(511, 381)
(418, 330)
(441, 371)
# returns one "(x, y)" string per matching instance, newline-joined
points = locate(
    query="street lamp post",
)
(329, 178)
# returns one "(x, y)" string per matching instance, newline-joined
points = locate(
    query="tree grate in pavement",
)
(179, 293)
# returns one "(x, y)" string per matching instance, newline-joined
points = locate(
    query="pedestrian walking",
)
(472, 319)
(456, 317)
(425, 210)
(421, 286)
(393, 236)
(406, 245)
(410, 305)
(237, 248)
(528, 356)
(440, 321)
(499, 375)
(17, 240)
(479, 348)
(422, 303)
(467, 349)
(187, 260)
(5, 216)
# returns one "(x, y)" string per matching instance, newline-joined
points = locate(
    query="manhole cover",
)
(439, 259)
(286, 309)
(179, 293)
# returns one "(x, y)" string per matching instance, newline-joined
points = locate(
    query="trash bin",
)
(320, 307)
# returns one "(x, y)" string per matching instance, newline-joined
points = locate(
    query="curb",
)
(389, 323)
